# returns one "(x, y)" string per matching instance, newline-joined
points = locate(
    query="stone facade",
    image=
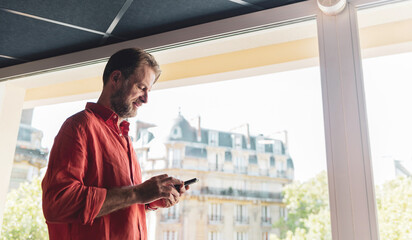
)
(241, 179)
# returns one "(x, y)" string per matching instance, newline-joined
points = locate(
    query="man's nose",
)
(144, 98)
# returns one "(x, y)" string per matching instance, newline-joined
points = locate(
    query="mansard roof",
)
(182, 130)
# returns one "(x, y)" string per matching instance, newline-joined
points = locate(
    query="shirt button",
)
(120, 134)
(115, 116)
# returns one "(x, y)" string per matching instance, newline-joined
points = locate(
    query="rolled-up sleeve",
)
(66, 199)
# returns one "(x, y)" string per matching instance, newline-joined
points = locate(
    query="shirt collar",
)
(104, 112)
(108, 115)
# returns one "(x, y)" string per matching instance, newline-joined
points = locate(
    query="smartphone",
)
(188, 182)
(191, 181)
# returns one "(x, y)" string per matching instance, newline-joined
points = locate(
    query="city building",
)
(54, 53)
(241, 177)
(30, 157)
(388, 168)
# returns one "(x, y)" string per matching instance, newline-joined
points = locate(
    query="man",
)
(93, 187)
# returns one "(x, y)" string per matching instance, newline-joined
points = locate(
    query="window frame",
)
(351, 188)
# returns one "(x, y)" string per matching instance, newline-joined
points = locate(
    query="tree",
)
(307, 205)
(309, 218)
(23, 216)
(394, 203)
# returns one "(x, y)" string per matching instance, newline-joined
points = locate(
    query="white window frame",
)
(277, 147)
(241, 236)
(215, 211)
(214, 235)
(237, 141)
(171, 213)
(241, 212)
(260, 146)
(175, 157)
(169, 235)
(213, 138)
(265, 211)
(351, 188)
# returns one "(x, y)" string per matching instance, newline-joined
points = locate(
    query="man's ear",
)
(115, 76)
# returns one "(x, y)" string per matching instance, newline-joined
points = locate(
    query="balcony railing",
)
(240, 169)
(264, 172)
(241, 220)
(215, 219)
(215, 167)
(281, 174)
(266, 221)
(240, 193)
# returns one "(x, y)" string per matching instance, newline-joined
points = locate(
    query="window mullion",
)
(352, 206)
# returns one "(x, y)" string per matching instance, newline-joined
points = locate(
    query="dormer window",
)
(237, 143)
(278, 148)
(176, 133)
(260, 145)
(145, 136)
(213, 138)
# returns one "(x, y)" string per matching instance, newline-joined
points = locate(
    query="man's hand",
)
(159, 187)
(168, 202)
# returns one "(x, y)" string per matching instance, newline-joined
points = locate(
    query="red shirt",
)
(91, 154)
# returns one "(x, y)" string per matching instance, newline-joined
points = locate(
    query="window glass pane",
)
(386, 42)
(253, 137)
(247, 139)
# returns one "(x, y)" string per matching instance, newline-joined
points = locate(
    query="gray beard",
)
(119, 105)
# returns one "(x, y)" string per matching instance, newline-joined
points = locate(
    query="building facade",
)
(29, 158)
(241, 179)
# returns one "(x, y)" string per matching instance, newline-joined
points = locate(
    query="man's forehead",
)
(144, 74)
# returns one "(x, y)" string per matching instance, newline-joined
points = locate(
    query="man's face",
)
(133, 93)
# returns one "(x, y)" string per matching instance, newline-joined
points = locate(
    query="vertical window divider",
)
(351, 192)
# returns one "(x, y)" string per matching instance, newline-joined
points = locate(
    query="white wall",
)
(11, 104)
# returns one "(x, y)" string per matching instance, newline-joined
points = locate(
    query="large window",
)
(386, 38)
(256, 137)
(215, 213)
(241, 214)
(253, 132)
(266, 215)
(235, 172)
(267, 86)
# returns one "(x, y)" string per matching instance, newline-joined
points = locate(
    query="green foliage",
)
(308, 210)
(23, 216)
(394, 203)
(309, 217)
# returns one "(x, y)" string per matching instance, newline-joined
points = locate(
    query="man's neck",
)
(106, 103)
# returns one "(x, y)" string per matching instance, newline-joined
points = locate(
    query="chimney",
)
(199, 130)
(247, 135)
(286, 142)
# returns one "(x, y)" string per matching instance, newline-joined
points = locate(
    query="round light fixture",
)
(331, 7)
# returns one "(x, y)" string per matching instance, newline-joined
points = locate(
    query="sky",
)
(388, 85)
(276, 102)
